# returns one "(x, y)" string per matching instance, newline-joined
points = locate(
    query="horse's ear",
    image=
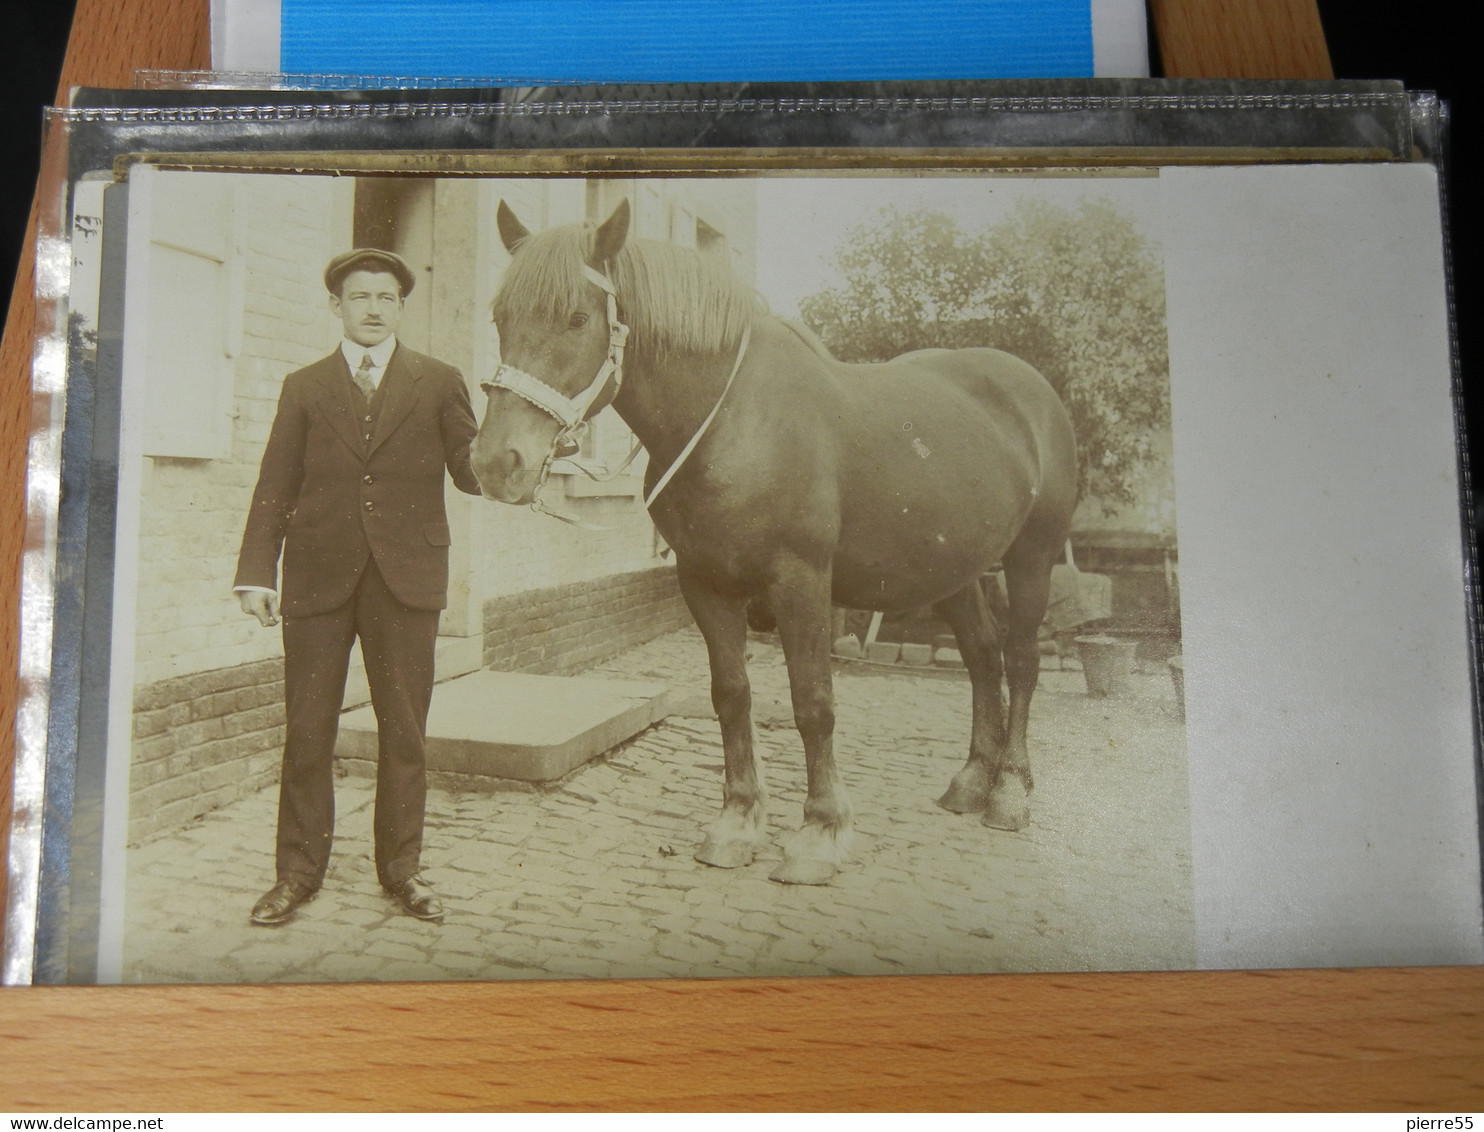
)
(611, 235)
(512, 231)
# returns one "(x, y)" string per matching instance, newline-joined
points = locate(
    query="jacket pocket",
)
(437, 534)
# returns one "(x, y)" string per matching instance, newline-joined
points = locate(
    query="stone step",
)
(519, 726)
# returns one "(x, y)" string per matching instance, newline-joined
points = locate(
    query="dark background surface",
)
(1422, 44)
(1425, 45)
(37, 32)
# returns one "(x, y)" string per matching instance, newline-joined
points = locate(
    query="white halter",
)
(571, 411)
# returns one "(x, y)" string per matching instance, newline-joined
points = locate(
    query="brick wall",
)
(203, 741)
(565, 629)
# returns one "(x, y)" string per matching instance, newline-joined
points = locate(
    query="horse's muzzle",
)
(504, 477)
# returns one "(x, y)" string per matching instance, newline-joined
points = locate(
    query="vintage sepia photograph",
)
(518, 573)
(553, 577)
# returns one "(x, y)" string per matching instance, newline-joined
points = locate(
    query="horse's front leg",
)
(800, 599)
(735, 836)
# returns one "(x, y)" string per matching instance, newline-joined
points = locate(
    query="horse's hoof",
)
(815, 853)
(1009, 805)
(969, 791)
(804, 871)
(733, 839)
(727, 854)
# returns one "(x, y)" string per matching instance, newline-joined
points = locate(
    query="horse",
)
(787, 481)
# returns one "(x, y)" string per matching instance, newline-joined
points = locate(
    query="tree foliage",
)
(1076, 292)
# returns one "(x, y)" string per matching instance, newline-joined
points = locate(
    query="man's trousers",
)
(397, 644)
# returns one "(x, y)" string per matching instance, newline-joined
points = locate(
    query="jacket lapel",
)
(399, 395)
(332, 380)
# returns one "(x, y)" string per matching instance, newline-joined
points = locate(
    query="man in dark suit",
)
(351, 490)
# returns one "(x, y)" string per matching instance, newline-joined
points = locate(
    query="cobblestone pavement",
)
(594, 876)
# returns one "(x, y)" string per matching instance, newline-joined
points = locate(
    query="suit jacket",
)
(330, 499)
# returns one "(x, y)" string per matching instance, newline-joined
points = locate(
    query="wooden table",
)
(1385, 1039)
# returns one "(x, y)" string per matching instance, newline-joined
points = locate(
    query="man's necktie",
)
(363, 377)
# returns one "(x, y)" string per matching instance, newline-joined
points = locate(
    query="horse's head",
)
(561, 347)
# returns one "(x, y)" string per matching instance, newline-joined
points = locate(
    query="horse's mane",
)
(676, 300)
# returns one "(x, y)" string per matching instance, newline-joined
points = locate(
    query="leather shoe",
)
(415, 897)
(280, 902)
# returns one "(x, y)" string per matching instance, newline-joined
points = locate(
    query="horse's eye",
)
(577, 321)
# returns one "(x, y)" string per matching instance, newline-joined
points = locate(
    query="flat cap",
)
(368, 259)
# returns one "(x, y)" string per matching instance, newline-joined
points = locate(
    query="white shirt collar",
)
(381, 354)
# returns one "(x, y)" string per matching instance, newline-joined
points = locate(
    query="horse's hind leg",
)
(734, 837)
(1028, 585)
(800, 598)
(974, 625)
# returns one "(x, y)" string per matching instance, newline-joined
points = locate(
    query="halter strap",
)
(690, 447)
(531, 388)
(618, 337)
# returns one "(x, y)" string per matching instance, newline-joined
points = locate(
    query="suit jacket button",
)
(367, 479)
(370, 506)
(367, 418)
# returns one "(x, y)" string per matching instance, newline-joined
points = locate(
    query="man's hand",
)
(260, 604)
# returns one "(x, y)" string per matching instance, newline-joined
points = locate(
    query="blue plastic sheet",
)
(701, 41)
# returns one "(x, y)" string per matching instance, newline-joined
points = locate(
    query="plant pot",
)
(1107, 663)
(1177, 674)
